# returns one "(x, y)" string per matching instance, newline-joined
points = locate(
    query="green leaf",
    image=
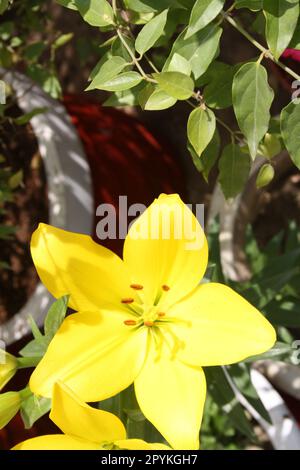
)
(179, 64)
(157, 100)
(148, 6)
(209, 156)
(68, 4)
(203, 13)
(34, 349)
(201, 128)
(218, 93)
(121, 82)
(234, 166)
(16, 179)
(3, 6)
(33, 408)
(240, 374)
(290, 131)
(252, 98)
(280, 350)
(95, 12)
(200, 49)
(150, 33)
(285, 312)
(175, 84)
(265, 175)
(224, 396)
(106, 71)
(250, 4)
(125, 98)
(20, 121)
(281, 22)
(55, 316)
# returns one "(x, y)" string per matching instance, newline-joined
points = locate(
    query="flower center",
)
(145, 315)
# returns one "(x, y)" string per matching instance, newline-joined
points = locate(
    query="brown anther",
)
(136, 287)
(148, 323)
(161, 314)
(129, 322)
(165, 288)
(127, 301)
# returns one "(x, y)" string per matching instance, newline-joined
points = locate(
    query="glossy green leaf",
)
(151, 32)
(175, 84)
(201, 128)
(121, 82)
(159, 100)
(95, 12)
(179, 64)
(200, 49)
(281, 21)
(234, 166)
(106, 71)
(252, 98)
(203, 13)
(125, 98)
(218, 93)
(290, 131)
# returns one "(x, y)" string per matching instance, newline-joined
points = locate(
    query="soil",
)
(29, 207)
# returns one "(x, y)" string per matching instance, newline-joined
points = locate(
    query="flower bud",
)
(8, 367)
(10, 403)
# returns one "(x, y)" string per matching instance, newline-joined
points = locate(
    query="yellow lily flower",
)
(8, 367)
(144, 319)
(84, 428)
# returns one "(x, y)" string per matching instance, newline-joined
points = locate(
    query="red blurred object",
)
(125, 159)
(292, 53)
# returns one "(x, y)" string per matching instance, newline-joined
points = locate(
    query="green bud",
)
(8, 367)
(270, 146)
(10, 403)
(265, 175)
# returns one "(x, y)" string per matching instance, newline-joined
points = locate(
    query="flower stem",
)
(267, 54)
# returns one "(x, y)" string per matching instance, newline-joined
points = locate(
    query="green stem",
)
(134, 59)
(25, 393)
(114, 6)
(26, 362)
(267, 54)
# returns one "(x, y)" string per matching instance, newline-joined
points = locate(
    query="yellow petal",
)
(171, 396)
(224, 327)
(56, 442)
(78, 419)
(95, 354)
(69, 263)
(133, 444)
(166, 246)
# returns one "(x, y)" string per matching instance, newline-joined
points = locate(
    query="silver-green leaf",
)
(234, 166)
(203, 12)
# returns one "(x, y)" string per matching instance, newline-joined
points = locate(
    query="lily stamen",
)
(130, 322)
(127, 301)
(137, 286)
